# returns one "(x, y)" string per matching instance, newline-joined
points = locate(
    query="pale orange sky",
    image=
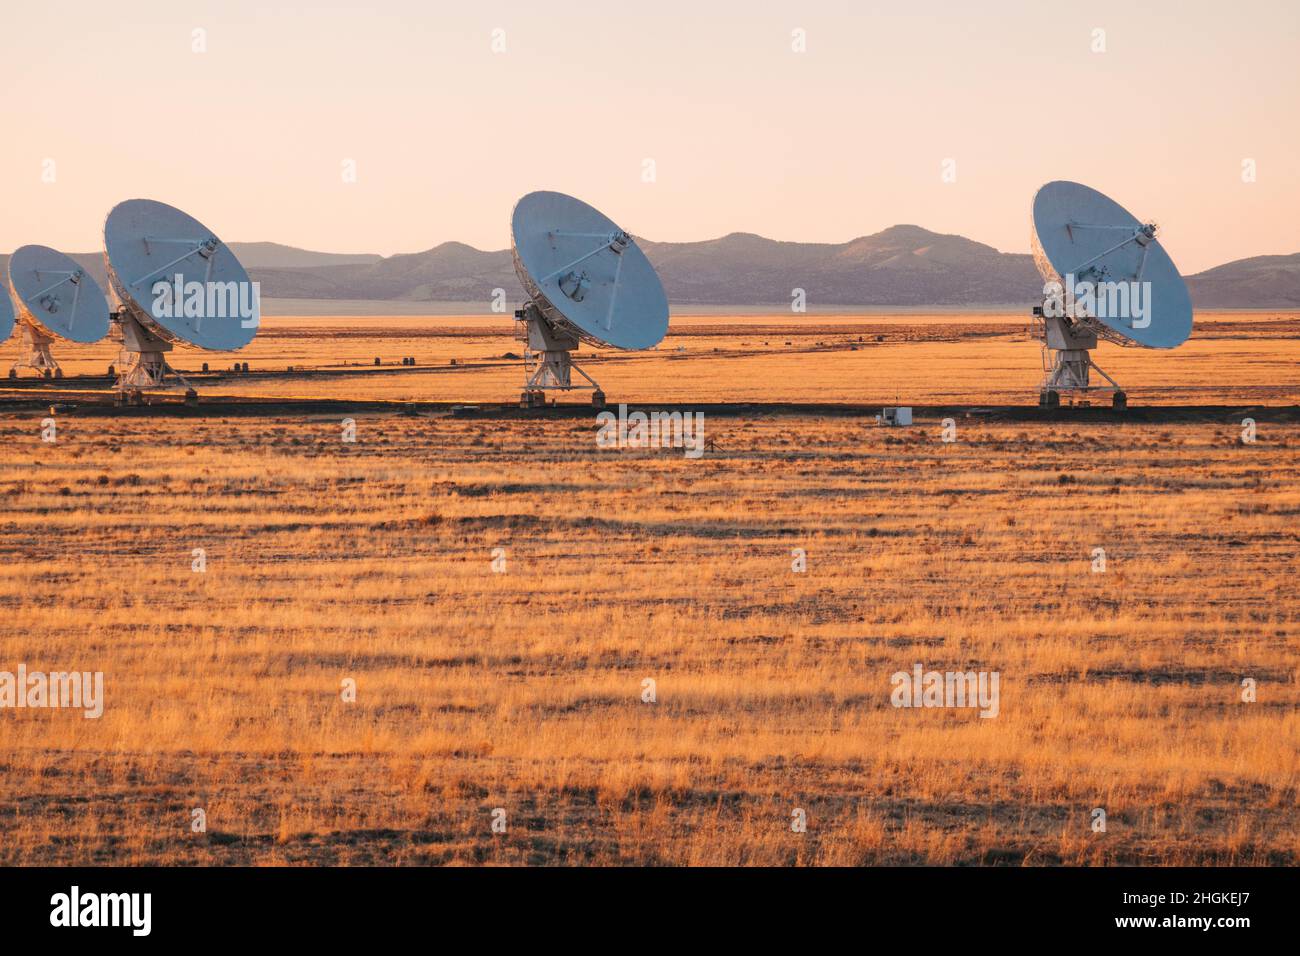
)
(746, 135)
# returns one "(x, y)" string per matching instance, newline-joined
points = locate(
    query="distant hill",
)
(273, 255)
(900, 266)
(1258, 282)
(903, 265)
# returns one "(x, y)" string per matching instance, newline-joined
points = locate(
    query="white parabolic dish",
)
(585, 274)
(1080, 232)
(56, 295)
(6, 314)
(146, 242)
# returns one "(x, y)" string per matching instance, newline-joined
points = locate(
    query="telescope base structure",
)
(548, 360)
(36, 354)
(144, 361)
(1067, 361)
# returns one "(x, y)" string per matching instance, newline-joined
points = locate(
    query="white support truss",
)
(548, 359)
(35, 354)
(143, 360)
(1067, 346)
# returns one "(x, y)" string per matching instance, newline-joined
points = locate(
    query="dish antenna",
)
(55, 300)
(1106, 276)
(174, 282)
(6, 314)
(587, 281)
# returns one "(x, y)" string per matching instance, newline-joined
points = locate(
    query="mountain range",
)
(901, 266)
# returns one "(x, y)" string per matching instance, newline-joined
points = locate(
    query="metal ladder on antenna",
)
(1038, 329)
(531, 360)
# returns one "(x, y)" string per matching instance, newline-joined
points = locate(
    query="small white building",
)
(901, 415)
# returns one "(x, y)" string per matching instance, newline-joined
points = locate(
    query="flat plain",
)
(499, 590)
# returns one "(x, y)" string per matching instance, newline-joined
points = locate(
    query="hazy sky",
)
(746, 135)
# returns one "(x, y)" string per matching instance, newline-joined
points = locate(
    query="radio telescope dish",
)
(55, 299)
(1081, 232)
(587, 281)
(177, 283)
(6, 315)
(1109, 277)
(147, 243)
(56, 294)
(587, 274)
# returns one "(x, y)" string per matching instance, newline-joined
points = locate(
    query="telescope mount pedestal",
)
(548, 360)
(1067, 361)
(143, 360)
(36, 354)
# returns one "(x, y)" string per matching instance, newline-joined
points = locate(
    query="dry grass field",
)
(917, 359)
(521, 687)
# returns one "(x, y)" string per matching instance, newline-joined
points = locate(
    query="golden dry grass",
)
(523, 690)
(917, 359)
